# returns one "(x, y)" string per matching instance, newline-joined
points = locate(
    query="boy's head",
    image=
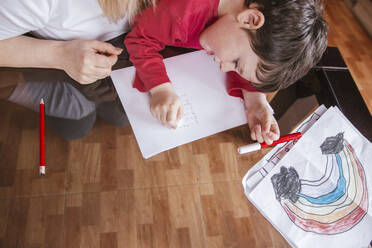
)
(272, 43)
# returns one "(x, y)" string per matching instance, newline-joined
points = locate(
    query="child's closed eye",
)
(237, 67)
(236, 64)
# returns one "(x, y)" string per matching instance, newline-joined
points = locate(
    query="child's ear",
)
(251, 18)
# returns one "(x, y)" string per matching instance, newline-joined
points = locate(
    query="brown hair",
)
(117, 9)
(291, 41)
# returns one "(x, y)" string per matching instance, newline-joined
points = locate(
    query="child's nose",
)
(225, 67)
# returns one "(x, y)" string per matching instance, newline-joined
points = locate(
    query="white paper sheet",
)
(208, 109)
(328, 203)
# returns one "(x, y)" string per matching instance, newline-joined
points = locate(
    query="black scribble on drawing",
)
(333, 144)
(286, 184)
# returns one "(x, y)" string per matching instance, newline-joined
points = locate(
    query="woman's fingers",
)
(87, 61)
(104, 61)
(106, 48)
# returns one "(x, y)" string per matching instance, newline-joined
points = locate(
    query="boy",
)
(264, 45)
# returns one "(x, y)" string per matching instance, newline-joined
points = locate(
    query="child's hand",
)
(165, 105)
(261, 121)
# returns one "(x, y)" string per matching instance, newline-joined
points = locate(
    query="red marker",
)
(42, 141)
(258, 146)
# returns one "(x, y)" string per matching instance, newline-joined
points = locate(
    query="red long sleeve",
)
(235, 84)
(143, 44)
(171, 23)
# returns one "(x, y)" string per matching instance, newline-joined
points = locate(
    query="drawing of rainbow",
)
(331, 204)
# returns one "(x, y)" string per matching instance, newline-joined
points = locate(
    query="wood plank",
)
(100, 192)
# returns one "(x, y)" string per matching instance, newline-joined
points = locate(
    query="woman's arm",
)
(23, 51)
(83, 60)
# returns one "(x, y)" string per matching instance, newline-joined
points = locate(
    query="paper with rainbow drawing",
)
(320, 190)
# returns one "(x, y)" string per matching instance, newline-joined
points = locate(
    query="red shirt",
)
(172, 23)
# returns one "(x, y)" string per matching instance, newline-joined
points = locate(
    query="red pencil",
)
(42, 141)
(258, 146)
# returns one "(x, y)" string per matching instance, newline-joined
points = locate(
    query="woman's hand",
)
(165, 105)
(86, 61)
(261, 122)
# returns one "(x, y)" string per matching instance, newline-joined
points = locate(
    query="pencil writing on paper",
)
(190, 117)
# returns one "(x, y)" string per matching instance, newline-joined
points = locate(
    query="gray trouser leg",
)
(72, 129)
(61, 98)
(70, 113)
(67, 111)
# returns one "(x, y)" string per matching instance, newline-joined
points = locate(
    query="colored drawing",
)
(332, 204)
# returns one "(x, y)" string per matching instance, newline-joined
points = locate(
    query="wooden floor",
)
(99, 192)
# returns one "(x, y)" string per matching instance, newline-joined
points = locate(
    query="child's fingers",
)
(155, 113)
(268, 138)
(275, 128)
(179, 115)
(253, 134)
(258, 132)
(158, 114)
(163, 115)
(172, 115)
(266, 122)
(272, 136)
(275, 131)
